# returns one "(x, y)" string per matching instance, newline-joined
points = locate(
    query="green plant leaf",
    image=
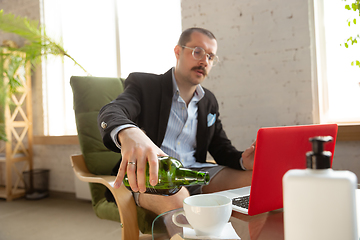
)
(354, 6)
(355, 63)
(2, 132)
(15, 63)
(38, 44)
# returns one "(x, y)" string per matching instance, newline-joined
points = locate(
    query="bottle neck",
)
(191, 176)
(318, 161)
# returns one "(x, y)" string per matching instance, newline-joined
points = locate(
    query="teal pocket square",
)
(211, 119)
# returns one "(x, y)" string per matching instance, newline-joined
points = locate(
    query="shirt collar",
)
(199, 91)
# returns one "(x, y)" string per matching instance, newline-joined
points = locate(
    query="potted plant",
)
(14, 65)
(37, 45)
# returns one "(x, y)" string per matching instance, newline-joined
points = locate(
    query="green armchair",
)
(96, 162)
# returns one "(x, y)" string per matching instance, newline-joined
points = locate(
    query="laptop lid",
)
(279, 149)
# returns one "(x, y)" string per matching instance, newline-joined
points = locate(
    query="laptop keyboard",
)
(241, 201)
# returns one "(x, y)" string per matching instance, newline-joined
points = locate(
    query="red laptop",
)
(278, 149)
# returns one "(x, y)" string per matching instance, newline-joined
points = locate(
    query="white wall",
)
(264, 78)
(57, 159)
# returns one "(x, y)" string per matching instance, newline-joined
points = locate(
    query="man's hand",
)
(137, 149)
(248, 157)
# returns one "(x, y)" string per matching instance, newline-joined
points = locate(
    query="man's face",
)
(188, 69)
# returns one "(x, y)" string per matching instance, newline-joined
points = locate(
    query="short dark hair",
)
(185, 36)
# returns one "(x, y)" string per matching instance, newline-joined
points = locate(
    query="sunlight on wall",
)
(148, 32)
(147, 44)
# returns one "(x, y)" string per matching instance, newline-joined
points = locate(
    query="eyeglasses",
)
(198, 53)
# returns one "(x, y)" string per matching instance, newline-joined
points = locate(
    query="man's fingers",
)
(141, 174)
(153, 169)
(121, 174)
(248, 156)
(131, 173)
(249, 151)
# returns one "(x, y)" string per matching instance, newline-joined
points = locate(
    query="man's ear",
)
(177, 50)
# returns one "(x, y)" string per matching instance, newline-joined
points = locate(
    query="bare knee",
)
(228, 179)
(159, 204)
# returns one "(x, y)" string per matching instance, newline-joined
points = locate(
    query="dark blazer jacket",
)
(146, 102)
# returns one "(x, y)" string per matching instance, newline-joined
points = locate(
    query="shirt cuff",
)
(115, 131)
(242, 164)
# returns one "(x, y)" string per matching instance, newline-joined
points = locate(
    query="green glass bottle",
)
(172, 176)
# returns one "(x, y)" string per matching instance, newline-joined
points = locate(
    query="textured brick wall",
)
(265, 78)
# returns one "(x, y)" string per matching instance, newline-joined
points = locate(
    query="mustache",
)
(200, 68)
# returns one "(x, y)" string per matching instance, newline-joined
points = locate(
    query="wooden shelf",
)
(19, 157)
(16, 193)
(18, 129)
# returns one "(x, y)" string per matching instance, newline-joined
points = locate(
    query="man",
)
(171, 114)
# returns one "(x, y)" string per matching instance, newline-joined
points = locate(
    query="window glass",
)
(339, 82)
(108, 38)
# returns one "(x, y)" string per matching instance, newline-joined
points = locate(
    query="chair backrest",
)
(90, 95)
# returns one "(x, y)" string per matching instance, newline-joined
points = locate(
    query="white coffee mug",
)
(207, 214)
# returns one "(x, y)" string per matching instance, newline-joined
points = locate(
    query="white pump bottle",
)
(319, 203)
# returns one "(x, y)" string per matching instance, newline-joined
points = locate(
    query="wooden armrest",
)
(82, 172)
(123, 197)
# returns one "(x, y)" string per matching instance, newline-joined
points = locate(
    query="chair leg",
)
(128, 213)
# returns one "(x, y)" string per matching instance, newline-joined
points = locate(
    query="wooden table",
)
(266, 226)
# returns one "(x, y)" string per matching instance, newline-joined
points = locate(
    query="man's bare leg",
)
(228, 178)
(160, 204)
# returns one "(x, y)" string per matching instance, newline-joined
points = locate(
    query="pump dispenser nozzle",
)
(318, 158)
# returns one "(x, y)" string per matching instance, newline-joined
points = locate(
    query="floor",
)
(54, 218)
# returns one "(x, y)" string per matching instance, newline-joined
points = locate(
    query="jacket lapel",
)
(202, 133)
(165, 106)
